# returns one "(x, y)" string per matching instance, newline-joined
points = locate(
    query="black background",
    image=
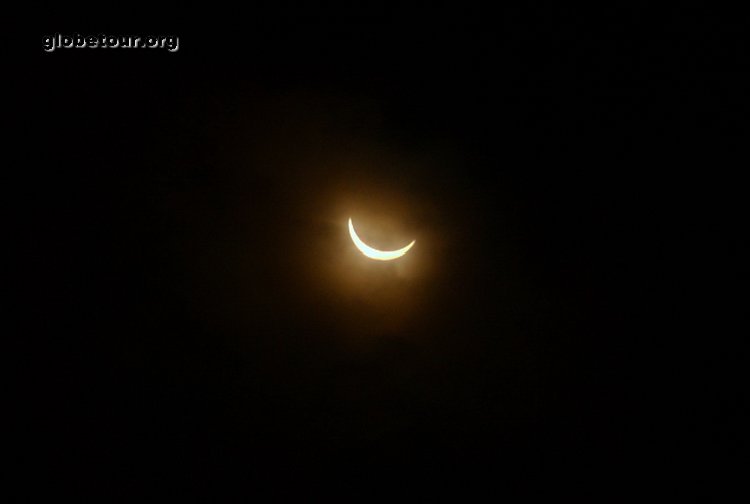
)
(580, 154)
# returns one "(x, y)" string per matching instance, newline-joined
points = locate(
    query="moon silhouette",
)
(373, 253)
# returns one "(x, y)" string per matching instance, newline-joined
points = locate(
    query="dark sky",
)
(200, 323)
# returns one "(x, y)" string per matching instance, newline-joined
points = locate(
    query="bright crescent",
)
(372, 253)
